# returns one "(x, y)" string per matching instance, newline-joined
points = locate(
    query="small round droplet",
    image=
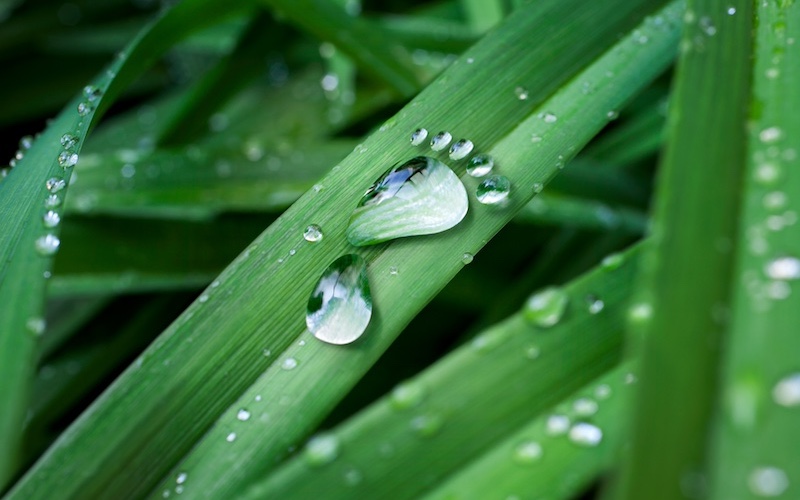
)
(393, 271)
(521, 93)
(467, 258)
(54, 184)
(289, 364)
(603, 391)
(69, 141)
(181, 478)
(585, 407)
(66, 159)
(230, 437)
(313, 233)
(640, 313)
(613, 261)
(47, 244)
(731, 11)
(243, 415)
(480, 165)
(585, 434)
(546, 308)
(493, 190)
(407, 395)
(767, 481)
(91, 93)
(52, 201)
(460, 149)
(784, 268)
(85, 108)
(36, 325)
(51, 219)
(441, 140)
(595, 305)
(419, 136)
(321, 449)
(549, 117)
(538, 187)
(612, 115)
(770, 135)
(352, 477)
(527, 452)
(532, 352)
(557, 425)
(426, 425)
(787, 391)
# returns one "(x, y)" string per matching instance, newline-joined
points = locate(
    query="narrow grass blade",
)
(757, 436)
(483, 14)
(687, 275)
(435, 423)
(23, 199)
(544, 459)
(216, 347)
(584, 214)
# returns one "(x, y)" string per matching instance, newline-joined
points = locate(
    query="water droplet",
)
(602, 391)
(55, 184)
(85, 108)
(426, 425)
(613, 261)
(230, 437)
(66, 159)
(91, 93)
(352, 477)
(612, 115)
(181, 478)
(480, 165)
(416, 197)
(538, 187)
(47, 244)
(441, 140)
(312, 233)
(549, 117)
(267, 353)
(527, 452)
(329, 82)
(783, 268)
(289, 364)
(532, 352)
(585, 434)
(406, 395)
(321, 449)
(595, 304)
(585, 407)
(557, 425)
(640, 313)
(787, 391)
(493, 190)
(69, 141)
(393, 271)
(467, 258)
(521, 93)
(36, 325)
(243, 415)
(536, 138)
(769, 135)
(546, 308)
(419, 136)
(460, 149)
(52, 201)
(340, 306)
(731, 11)
(767, 481)
(51, 219)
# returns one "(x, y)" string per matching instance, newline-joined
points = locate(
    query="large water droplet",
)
(441, 140)
(528, 452)
(419, 136)
(312, 233)
(767, 481)
(787, 391)
(47, 244)
(461, 149)
(545, 308)
(480, 165)
(493, 190)
(340, 307)
(585, 434)
(321, 449)
(416, 197)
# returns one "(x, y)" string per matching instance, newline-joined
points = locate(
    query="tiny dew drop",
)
(91, 93)
(538, 187)
(784, 268)
(612, 115)
(69, 141)
(51, 219)
(67, 159)
(181, 478)
(549, 117)
(321, 449)
(289, 364)
(460, 149)
(340, 306)
(52, 201)
(230, 437)
(441, 140)
(467, 258)
(426, 425)
(352, 477)
(787, 391)
(521, 93)
(25, 143)
(527, 452)
(493, 190)
(419, 136)
(557, 425)
(613, 261)
(546, 308)
(603, 391)
(585, 407)
(770, 135)
(532, 352)
(585, 434)
(47, 244)
(243, 415)
(36, 325)
(767, 481)
(85, 108)
(406, 395)
(54, 184)
(595, 304)
(480, 165)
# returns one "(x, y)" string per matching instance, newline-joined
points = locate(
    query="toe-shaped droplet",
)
(340, 306)
(415, 197)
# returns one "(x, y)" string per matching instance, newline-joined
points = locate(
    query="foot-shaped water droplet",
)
(416, 197)
(340, 307)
